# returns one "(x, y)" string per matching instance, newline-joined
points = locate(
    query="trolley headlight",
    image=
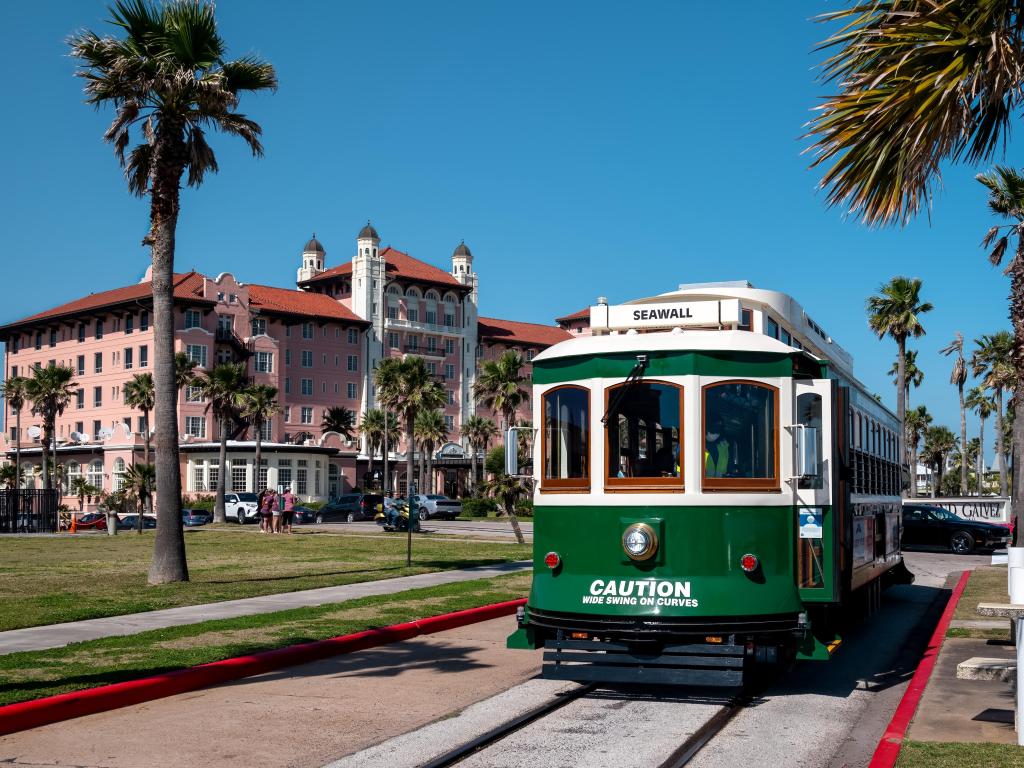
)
(639, 542)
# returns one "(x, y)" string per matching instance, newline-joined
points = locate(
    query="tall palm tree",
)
(432, 432)
(13, 391)
(258, 404)
(914, 375)
(140, 393)
(938, 443)
(919, 82)
(81, 488)
(915, 425)
(982, 405)
(341, 420)
(896, 312)
(221, 388)
(508, 490)
(478, 431)
(11, 476)
(371, 427)
(51, 390)
(407, 387)
(958, 377)
(500, 385)
(167, 77)
(992, 362)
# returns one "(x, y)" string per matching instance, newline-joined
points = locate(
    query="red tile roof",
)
(399, 265)
(583, 314)
(495, 331)
(289, 301)
(186, 286)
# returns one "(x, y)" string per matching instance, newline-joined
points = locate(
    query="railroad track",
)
(679, 758)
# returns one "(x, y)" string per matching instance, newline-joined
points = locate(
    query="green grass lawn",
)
(69, 578)
(920, 754)
(36, 674)
(986, 585)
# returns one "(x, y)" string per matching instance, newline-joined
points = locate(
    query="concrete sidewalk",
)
(57, 635)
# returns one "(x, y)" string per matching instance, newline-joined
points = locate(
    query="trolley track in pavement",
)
(679, 757)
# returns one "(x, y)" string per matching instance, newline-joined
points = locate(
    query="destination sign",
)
(675, 314)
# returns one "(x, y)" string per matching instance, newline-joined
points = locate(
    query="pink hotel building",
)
(317, 343)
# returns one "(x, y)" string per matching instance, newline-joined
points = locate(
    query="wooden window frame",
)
(741, 484)
(568, 484)
(647, 484)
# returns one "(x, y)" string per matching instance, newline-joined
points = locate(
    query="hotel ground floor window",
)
(566, 439)
(239, 472)
(740, 436)
(95, 478)
(643, 429)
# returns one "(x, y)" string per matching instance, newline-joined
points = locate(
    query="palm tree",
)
(168, 78)
(140, 393)
(938, 442)
(992, 362)
(139, 481)
(81, 488)
(407, 387)
(958, 377)
(913, 374)
(11, 475)
(432, 431)
(896, 313)
(508, 490)
(919, 83)
(51, 390)
(478, 431)
(221, 388)
(371, 427)
(983, 405)
(499, 385)
(184, 371)
(13, 391)
(341, 420)
(258, 406)
(914, 426)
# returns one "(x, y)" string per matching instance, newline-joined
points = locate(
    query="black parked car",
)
(305, 515)
(351, 507)
(131, 522)
(932, 526)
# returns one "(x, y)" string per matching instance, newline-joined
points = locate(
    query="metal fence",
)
(988, 509)
(28, 510)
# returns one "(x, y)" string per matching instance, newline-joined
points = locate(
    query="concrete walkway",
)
(57, 635)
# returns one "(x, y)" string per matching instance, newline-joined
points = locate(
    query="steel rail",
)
(686, 751)
(499, 732)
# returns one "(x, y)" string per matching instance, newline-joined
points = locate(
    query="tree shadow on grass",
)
(437, 565)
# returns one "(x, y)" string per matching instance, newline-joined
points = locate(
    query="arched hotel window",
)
(119, 471)
(565, 439)
(741, 436)
(642, 436)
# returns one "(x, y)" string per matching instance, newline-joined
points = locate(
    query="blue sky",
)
(580, 148)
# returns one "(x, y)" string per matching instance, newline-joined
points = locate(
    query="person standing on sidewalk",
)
(267, 511)
(288, 506)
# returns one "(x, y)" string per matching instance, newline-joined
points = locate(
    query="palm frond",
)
(248, 74)
(201, 158)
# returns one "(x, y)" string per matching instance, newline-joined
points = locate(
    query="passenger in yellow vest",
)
(716, 453)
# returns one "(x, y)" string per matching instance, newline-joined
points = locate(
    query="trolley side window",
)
(566, 439)
(808, 413)
(642, 436)
(741, 436)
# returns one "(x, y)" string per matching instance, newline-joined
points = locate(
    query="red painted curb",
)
(889, 745)
(53, 709)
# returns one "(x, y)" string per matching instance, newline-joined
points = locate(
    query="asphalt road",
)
(499, 530)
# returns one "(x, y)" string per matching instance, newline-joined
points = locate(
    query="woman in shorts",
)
(267, 511)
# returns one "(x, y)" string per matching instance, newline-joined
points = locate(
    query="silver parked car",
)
(437, 505)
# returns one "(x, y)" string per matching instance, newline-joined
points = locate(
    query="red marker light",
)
(749, 563)
(552, 560)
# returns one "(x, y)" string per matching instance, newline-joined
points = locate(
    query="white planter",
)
(111, 523)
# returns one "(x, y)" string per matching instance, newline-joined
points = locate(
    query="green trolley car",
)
(713, 490)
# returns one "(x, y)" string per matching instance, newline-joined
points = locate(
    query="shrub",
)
(524, 508)
(478, 507)
(314, 505)
(206, 503)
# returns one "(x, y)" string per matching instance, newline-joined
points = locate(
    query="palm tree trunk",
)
(370, 448)
(422, 470)
(219, 515)
(259, 458)
(17, 450)
(430, 469)
(473, 464)
(981, 456)
(410, 421)
(510, 510)
(47, 432)
(1017, 319)
(901, 389)
(169, 563)
(146, 449)
(963, 444)
(1000, 452)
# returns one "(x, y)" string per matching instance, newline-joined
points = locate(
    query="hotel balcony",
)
(394, 324)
